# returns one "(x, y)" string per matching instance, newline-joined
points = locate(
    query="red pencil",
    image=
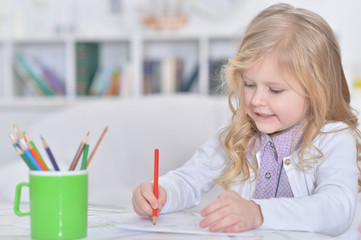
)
(155, 185)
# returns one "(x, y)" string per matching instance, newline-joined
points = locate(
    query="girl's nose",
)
(259, 98)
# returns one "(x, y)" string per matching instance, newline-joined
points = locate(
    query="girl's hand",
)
(232, 213)
(144, 201)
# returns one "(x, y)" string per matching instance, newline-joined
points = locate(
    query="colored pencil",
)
(34, 150)
(23, 156)
(13, 140)
(36, 156)
(30, 157)
(20, 152)
(78, 153)
(50, 154)
(20, 135)
(18, 132)
(85, 157)
(155, 184)
(96, 146)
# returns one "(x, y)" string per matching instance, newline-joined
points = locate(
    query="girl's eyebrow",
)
(270, 82)
(279, 84)
(244, 78)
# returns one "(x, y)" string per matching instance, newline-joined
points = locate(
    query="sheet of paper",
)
(128, 223)
(179, 222)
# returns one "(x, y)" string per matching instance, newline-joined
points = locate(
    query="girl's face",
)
(270, 101)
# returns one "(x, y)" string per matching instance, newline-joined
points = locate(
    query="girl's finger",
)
(227, 222)
(214, 206)
(148, 194)
(140, 200)
(214, 218)
(139, 205)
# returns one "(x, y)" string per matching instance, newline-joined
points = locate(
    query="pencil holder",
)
(58, 204)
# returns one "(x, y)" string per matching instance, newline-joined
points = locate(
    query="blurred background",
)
(59, 53)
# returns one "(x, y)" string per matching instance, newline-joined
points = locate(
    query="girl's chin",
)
(267, 129)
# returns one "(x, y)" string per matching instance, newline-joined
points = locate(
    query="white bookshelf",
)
(59, 53)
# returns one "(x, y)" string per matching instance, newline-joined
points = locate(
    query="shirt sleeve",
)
(186, 185)
(330, 208)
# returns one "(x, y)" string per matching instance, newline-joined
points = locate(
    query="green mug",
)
(58, 204)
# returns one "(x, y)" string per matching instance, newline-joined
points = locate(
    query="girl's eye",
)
(249, 85)
(275, 90)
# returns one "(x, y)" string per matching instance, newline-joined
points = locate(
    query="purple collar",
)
(282, 141)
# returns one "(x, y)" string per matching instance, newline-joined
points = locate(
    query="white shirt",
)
(324, 196)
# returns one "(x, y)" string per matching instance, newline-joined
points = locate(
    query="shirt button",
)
(268, 175)
(271, 145)
(287, 162)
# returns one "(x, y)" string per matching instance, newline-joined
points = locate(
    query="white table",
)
(14, 227)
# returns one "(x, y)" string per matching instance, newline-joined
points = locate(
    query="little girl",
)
(290, 157)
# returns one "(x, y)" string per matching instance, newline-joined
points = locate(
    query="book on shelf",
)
(87, 55)
(21, 73)
(190, 82)
(101, 82)
(162, 76)
(126, 88)
(168, 76)
(111, 81)
(151, 75)
(114, 83)
(53, 79)
(37, 76)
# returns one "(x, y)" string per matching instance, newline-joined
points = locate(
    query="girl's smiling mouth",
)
(263, 116)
